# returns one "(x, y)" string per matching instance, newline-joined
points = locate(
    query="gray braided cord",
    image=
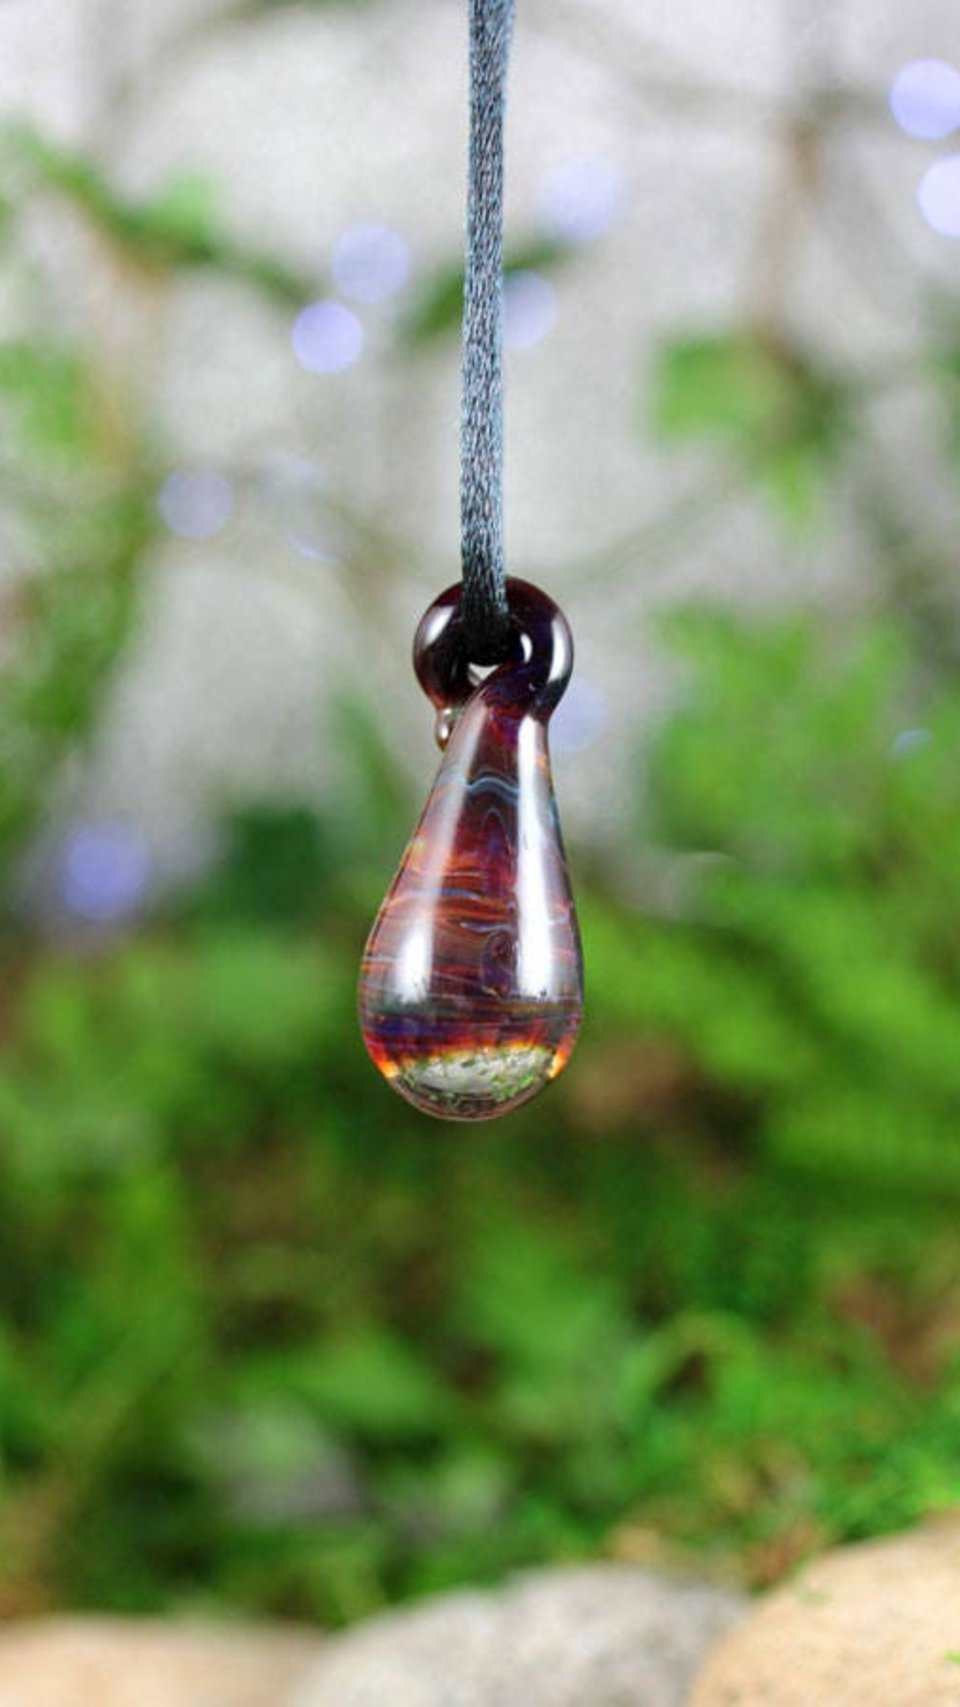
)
(484, 611)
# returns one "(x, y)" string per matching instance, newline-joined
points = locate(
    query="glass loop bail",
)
(534, 672)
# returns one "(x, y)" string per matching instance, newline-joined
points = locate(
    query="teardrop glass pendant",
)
(471, 987)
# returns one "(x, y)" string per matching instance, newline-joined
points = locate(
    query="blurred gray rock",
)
(596, 1636)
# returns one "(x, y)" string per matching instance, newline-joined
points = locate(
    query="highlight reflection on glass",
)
(925, 98)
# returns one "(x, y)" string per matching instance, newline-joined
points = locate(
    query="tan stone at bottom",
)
(106, 1662)
(875, 1625)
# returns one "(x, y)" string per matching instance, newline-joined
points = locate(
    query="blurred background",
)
(269, 1341)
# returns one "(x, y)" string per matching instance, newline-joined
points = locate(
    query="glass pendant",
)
(471, 987)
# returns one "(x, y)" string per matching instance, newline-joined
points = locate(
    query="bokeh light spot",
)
(580, 718)
(195, 503)
(925, 98)
(529, 309)
(370, 262)
(327, 337)
(103, 871)
(580, 199)
(294, 492)
(939, 196)
(908, 741)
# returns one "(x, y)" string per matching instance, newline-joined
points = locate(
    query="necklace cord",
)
(485, 615)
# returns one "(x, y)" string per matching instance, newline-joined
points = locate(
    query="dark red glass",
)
(471, 988)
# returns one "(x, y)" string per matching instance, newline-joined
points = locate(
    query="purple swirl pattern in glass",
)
(471, 987)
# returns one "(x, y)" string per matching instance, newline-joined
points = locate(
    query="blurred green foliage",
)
(79, 520)
(765, 402)
(176, 230)
(270, 1338)
(818, 964)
